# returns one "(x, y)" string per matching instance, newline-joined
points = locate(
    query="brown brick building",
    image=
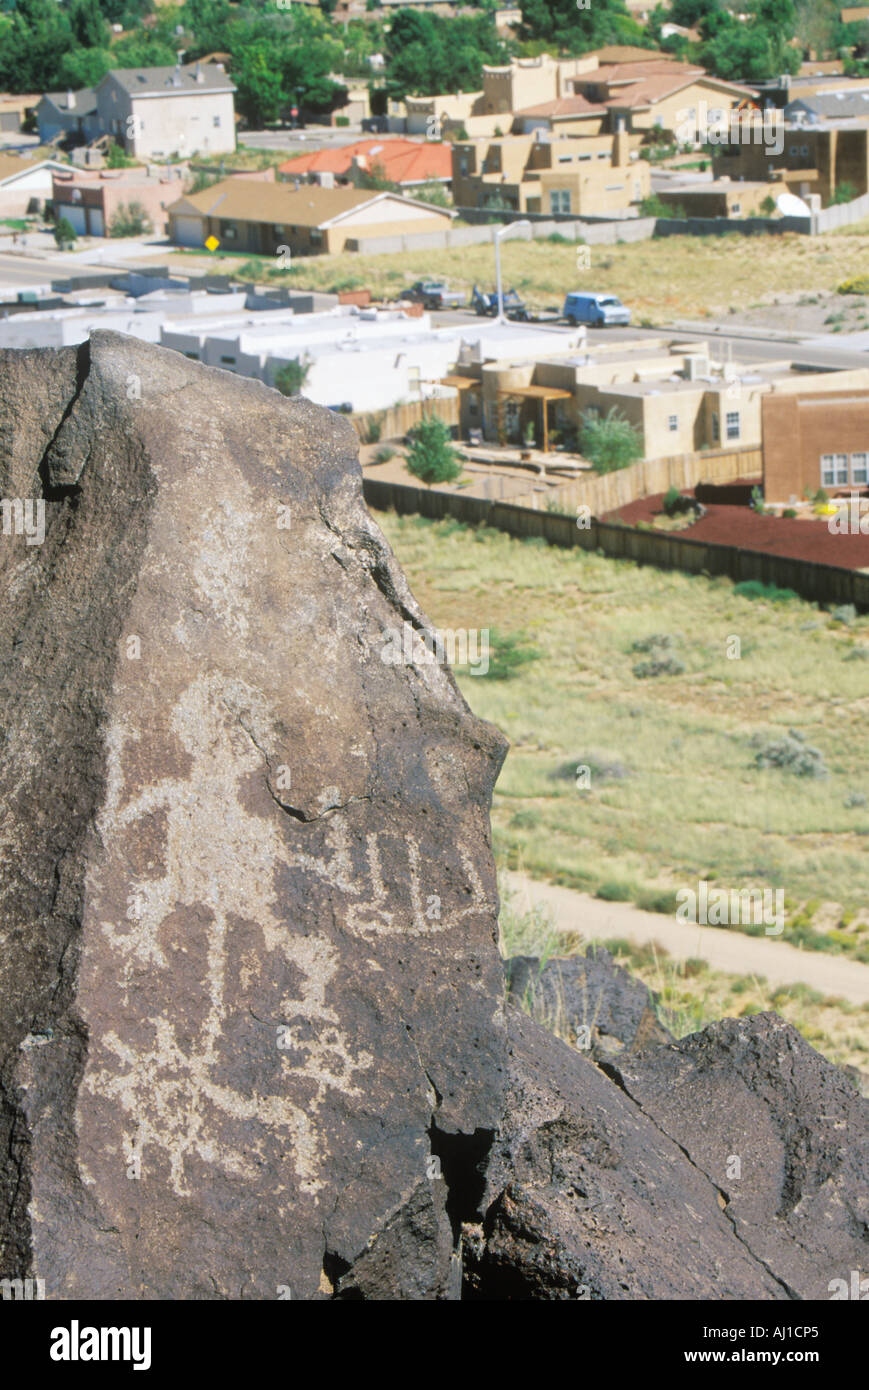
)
(814, 441)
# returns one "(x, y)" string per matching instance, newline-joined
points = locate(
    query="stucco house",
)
(63, 114)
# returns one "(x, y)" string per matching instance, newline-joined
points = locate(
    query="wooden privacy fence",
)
(398, 419)
(610, 491)
(666, 550)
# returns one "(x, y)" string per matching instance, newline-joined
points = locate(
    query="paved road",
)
(723, 948)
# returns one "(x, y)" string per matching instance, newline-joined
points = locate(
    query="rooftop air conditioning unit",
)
(696, 366)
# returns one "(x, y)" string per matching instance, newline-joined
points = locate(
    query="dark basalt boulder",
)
(589, 1000)
(248, 910)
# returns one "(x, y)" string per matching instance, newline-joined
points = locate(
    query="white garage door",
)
(74, 213)
(98, 222)
(188, 231)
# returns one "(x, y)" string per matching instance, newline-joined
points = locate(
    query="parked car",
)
(434, 294)
(514, 307)
(597, 310)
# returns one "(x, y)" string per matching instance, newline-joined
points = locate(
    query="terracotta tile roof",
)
(565, 106)
(402, 161)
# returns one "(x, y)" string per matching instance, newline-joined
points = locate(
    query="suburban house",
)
(253, 216)
(550, 175)
(817, 440)
(675, 394)
(25, 183)
(90, 200)
(659, 94)
(60, 115)
(157, 112)
(151, 112)
(407, 163)
(813, 159)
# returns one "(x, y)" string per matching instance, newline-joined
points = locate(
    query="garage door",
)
(98, 222)
(188, 231)
(74, 213)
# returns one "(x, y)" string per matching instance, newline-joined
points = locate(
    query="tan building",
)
(255, 217)
(90, 201)
(720, 198)
(815, 441)
(675, 394)
(527, 173)
(815, 159)
(660, 94)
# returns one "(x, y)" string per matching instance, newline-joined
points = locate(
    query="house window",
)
(473, 405)
(737, 207)
(227, 359)
(794, 149)
(732, 422)
(559, 200)
(215, 121)
(194, 356)
(316, 237)
(834, 470)
(716, 428)
(672, 423)
(228, 231)
(565, 158)
(859, 464)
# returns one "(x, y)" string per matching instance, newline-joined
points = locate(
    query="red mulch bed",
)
(799, 540)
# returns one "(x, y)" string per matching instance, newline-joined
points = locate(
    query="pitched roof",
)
(564, 106)
(651, 89)
(254, 200)
(85, 101)
(402, 161)
(160, 81)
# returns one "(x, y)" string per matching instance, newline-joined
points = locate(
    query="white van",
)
(596, 310)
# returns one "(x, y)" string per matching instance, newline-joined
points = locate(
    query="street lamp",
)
(502, 231)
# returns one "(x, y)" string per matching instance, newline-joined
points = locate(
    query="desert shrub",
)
(384, 455)
(373, 429)
(64, 232)
(290, 378)
(508, 653)
(130, 219)
(854, 799)
(789, 513)
(672, 499)
(609, 442)
(658, 642)
(662, 900)
(846, 613)
(858, 654)
(525, 820)
(663, 665)
(615, 891)
(755, 588)
(601, 769)
(858, 284)
(789, 753)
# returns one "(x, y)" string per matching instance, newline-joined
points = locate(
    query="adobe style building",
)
(817, 440)
(814, 160)
(550, 175)
(90, 200)
(254, 216)
(675, 394)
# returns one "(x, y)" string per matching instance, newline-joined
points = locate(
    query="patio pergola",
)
(543, 394)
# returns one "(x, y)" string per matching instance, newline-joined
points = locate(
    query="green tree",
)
(432, 457)
(143, 51)
(610, 441)
(580, 30)
(88, 25)
(290, 379)
(83, 67)
(64, 232)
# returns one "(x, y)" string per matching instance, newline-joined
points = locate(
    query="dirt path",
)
(722, 948)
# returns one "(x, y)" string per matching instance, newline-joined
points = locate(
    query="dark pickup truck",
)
(513, 306)
(434, 294)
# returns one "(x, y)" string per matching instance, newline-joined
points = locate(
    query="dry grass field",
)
(670, 278)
